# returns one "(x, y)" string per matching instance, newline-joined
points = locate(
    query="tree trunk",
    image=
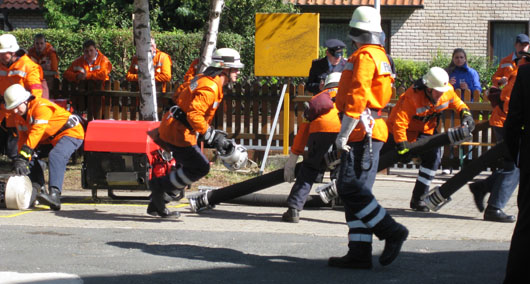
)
(210, 38)
(146, 70)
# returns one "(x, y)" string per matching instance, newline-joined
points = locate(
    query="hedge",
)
(117, 45)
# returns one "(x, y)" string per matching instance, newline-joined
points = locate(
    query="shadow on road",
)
(102, 215)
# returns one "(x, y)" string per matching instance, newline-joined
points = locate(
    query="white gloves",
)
(288, 169)
(347, 126)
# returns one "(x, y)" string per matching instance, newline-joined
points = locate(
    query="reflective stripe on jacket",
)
(414, 113)
(366, 82)
(43, 119)
(199, 99)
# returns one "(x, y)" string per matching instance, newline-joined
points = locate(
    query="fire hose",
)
(441, 195)
(209, 198)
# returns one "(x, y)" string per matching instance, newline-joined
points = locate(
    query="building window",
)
(502, 38)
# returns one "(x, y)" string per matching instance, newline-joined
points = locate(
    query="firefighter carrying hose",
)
(318, 131)
(41, 122)
(194, 109)
(416, 117)
(365, 88)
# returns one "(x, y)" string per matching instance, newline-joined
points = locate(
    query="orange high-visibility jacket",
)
(43, 119)
(199, 99)
(414, 113)
(162, 63)
(366, 82)
(192, 70)
(326, 123)
(507, 68)
(24, 72)
(97, 70)
(48, 59)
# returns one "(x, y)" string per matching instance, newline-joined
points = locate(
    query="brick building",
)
(417, 29)
(17, 14)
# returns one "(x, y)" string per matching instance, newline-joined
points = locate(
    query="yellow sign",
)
(286, 44)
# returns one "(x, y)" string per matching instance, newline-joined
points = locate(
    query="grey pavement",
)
(116, 242)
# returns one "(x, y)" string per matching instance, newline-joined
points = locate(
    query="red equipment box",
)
(120, 155)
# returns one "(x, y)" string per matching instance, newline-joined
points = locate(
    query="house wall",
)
(441, 25)
(447, 24)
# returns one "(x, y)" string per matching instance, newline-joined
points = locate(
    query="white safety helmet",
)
(226, 58)
(332, 80)
(15, 95)
(8, 43)
(436, 78)
(236, 159)
(366, 18)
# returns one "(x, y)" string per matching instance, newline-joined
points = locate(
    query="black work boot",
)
(157, 206)
(479, 193)
(292, 215)
(497, 215)
(358, 257)
(418, 205)
(393, 245)
(52, 199)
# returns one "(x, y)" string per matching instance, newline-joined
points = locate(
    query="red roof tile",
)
(356, 2)
(20, 4)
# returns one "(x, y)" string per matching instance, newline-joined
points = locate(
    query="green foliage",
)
(408, 71)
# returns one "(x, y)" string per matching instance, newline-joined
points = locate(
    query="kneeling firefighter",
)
(194, 109)
(416, 116)
(42, 123)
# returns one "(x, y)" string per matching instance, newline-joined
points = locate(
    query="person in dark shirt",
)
(320, 68)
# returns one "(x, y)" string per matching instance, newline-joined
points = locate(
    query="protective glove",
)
(347, 126)
(403, 150)
(467, 119)
(288, 169)
(215, 138)
(21, 166)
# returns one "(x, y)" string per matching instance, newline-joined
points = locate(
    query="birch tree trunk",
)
(146, 70)
(210, 39)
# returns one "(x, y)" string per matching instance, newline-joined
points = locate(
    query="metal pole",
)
(273, 127)
(286, 113)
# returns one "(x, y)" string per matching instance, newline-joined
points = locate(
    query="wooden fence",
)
(247, 111)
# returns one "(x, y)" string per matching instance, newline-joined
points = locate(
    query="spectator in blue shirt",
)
(461, 76)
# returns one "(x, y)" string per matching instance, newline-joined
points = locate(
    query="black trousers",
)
(517, 269)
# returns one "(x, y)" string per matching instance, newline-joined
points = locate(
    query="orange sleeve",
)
(192, 70)
(504, 70)
(54, 62)
(132, 74)
(203, 99)
(165, 70)
(300, 140)
(70, 74)
(457, 103)
(33, 80)
(363, 73)
(41, 118)
(404, 114)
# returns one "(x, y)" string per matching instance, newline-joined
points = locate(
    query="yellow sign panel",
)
(286, 44)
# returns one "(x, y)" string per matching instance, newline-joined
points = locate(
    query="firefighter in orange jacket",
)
(415, 117)
(15, 68)
(44, 54)
(194, 109)
(318, 131)
(364, 90)
(502, 183)
(92, 65)
(162, 63)
(43, 122)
